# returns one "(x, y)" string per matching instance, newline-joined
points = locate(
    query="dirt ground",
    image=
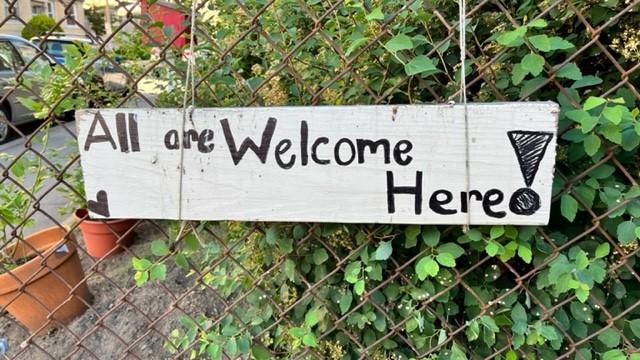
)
(123, 333)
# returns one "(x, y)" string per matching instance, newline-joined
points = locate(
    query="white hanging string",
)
(189, 82)
(462, 25)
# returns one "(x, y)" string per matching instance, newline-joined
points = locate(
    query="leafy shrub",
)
(340, 291)
(39, 25)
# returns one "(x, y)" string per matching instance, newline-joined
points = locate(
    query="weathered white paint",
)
(145, 184)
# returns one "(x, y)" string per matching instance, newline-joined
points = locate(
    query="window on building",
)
(7, 10)
(37, 7)
(71, 17)
(51, 9)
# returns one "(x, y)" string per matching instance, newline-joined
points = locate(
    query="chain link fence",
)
(257, 290)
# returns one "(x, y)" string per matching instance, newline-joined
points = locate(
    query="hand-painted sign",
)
(374, 164)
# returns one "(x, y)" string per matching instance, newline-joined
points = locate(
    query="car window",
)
(8, 58)
(29, 52)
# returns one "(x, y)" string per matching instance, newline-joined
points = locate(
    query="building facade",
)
(25, 9)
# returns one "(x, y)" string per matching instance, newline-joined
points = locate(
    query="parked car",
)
(109, 75)
(15, 54)
(54, 44)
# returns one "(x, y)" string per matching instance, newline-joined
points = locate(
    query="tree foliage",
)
(39, 25)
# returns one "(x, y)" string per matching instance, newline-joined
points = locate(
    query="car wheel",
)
(5, 129)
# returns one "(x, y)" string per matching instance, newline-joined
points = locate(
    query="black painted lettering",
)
(282, 147)
(336, 152)
(205, 136)
(435, 203)
(491, 198)
(403, 147)
(416, 191)
(314, 150)
(373, 148)
(260, 151)
(93, 138)
(121, 130)
(133, 133)
(171, 141)
(188, 137)
(304, 142)
(464, 199)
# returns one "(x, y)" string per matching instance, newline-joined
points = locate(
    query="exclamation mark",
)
(530, 147)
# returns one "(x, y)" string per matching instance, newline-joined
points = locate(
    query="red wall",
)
(169, 16)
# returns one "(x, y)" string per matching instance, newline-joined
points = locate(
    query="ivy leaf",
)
(355, 45)
(313, 317)
(593, 102)
(411, 233)
(259, 352)
(626, 232)
(538, 23)
(519, 317)
(319, 256)
(533, 63)
(512, 38)
(375, 14)
(426, 267)
(496, 231)
(524, 251)
(431, 236)
(446, 259)
(569, 71)
(140, 264)
(558, 43)
(492, 248)
(474, 235)
(398, 43)
(592, 144)
(451, 248)
(635, 327)
(602, 250)
(610, 338)
(568, 207)
(421, 65)
(614, 355)
(586, 81)
(611, 132)
(352, 272)
(518, 73)
(232, 347)
(345, 302)
(384, 250)
(457, 352)
(540, 42)
(309, 339)
(358, 288)
(159, 248)
(613, 113)
(158, 272)
(586, 121)
(473, 330)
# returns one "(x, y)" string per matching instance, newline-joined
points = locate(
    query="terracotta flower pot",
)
(31, 291)
(101, 237)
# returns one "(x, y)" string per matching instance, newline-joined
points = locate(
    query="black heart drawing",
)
(101, 206)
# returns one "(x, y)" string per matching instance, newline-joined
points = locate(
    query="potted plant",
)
(42, 281)
(41, 278)
(102, 237)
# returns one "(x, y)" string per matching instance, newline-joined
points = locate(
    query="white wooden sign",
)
(358, 164)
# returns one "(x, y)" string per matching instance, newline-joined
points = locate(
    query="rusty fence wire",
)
(259, 290)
